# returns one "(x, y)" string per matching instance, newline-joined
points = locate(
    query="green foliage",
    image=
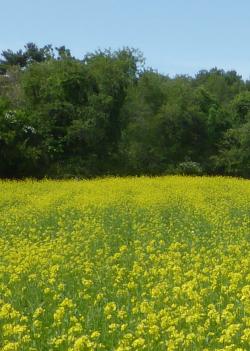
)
(234, 154)
(106, 114)
(190, 168)
(19, 152)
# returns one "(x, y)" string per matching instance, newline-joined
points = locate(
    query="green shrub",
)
(190, 168)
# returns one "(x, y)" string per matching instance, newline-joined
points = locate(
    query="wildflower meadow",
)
(122, 264)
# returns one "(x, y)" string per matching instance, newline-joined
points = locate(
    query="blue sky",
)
(175, 36)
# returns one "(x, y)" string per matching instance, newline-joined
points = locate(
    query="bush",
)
(190, 168)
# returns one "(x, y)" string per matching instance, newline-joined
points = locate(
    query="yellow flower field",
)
(125, 264)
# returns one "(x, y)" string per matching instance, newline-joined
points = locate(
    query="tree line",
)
(107, 114)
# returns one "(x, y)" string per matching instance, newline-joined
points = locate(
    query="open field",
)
(125, 264)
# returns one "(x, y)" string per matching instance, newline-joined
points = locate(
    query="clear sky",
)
(175, 36)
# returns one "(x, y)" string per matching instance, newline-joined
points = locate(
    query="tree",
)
(31, 53)
(223, 85)
(106, 114)
(234, 154)
(19, 155)
(140, 146)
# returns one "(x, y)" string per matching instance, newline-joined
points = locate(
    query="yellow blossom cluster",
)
(125, 264)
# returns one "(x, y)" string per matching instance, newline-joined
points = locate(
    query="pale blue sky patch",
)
(177, 36)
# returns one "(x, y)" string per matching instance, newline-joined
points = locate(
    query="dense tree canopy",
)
(107, 114)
